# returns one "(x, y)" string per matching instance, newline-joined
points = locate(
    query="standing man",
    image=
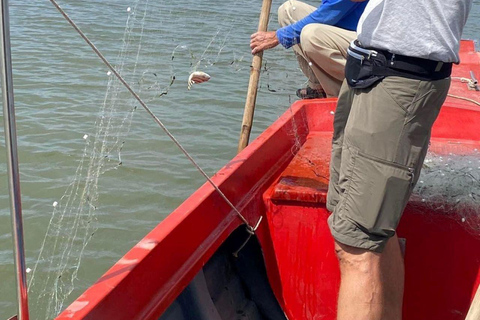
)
(320, 38)
(398, 74)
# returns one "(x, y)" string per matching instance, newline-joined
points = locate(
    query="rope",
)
(250, 234)
(464, 98)
(144, 105)
(471, 83)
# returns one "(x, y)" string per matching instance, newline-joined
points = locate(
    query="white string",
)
(63, 229)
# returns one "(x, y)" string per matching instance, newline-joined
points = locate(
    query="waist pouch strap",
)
(365, 67)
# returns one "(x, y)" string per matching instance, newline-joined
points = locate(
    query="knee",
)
(314, 38)
(356, 259)
(306, 38)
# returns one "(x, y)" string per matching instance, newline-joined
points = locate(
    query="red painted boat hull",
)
(282, 176)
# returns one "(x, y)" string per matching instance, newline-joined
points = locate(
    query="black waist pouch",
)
(360, 66)
(365, 67)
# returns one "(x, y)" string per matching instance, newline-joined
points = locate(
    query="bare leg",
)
(371, 283)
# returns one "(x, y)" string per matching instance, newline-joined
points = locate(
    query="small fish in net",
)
(197, 77)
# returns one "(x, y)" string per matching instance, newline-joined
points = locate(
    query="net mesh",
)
(73, 220)
(450, 185)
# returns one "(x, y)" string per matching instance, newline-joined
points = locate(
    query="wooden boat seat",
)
(306, 177)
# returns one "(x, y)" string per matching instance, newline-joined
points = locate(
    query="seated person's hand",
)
(263, 40)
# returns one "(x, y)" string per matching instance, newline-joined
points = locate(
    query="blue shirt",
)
(339, 13)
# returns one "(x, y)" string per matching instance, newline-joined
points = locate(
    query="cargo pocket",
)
(377, 194)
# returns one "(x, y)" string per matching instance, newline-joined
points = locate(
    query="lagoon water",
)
(61, 88)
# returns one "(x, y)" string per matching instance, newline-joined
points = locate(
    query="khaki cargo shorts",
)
(381, 136)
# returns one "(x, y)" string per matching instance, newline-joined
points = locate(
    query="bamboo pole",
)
(253, 83)
(474, 312)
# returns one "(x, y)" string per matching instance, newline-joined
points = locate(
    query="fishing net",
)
(450, 185)
(163, 43)
(73, 220)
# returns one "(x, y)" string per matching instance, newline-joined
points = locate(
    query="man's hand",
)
(263, 40)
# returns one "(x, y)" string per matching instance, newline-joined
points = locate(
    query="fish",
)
(197, 77)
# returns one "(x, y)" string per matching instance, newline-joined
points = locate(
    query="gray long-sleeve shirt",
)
(429, 29)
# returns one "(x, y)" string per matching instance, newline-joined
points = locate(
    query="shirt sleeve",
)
(330, 12)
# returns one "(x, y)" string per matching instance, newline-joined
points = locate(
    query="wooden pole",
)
(253, 83)
(474, 312)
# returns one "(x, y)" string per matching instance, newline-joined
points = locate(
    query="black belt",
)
(384, 63)
(416, 68)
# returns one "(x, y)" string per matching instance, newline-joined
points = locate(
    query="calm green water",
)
(60, 90)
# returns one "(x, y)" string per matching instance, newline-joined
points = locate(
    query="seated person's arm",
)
(330, 12)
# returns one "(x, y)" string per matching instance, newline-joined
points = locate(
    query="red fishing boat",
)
(196, 265)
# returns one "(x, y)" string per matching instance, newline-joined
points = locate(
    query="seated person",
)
(319, 37)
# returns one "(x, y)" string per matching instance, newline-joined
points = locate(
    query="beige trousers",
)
(322, 51)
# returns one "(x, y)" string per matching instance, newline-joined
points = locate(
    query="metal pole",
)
(12, 161)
